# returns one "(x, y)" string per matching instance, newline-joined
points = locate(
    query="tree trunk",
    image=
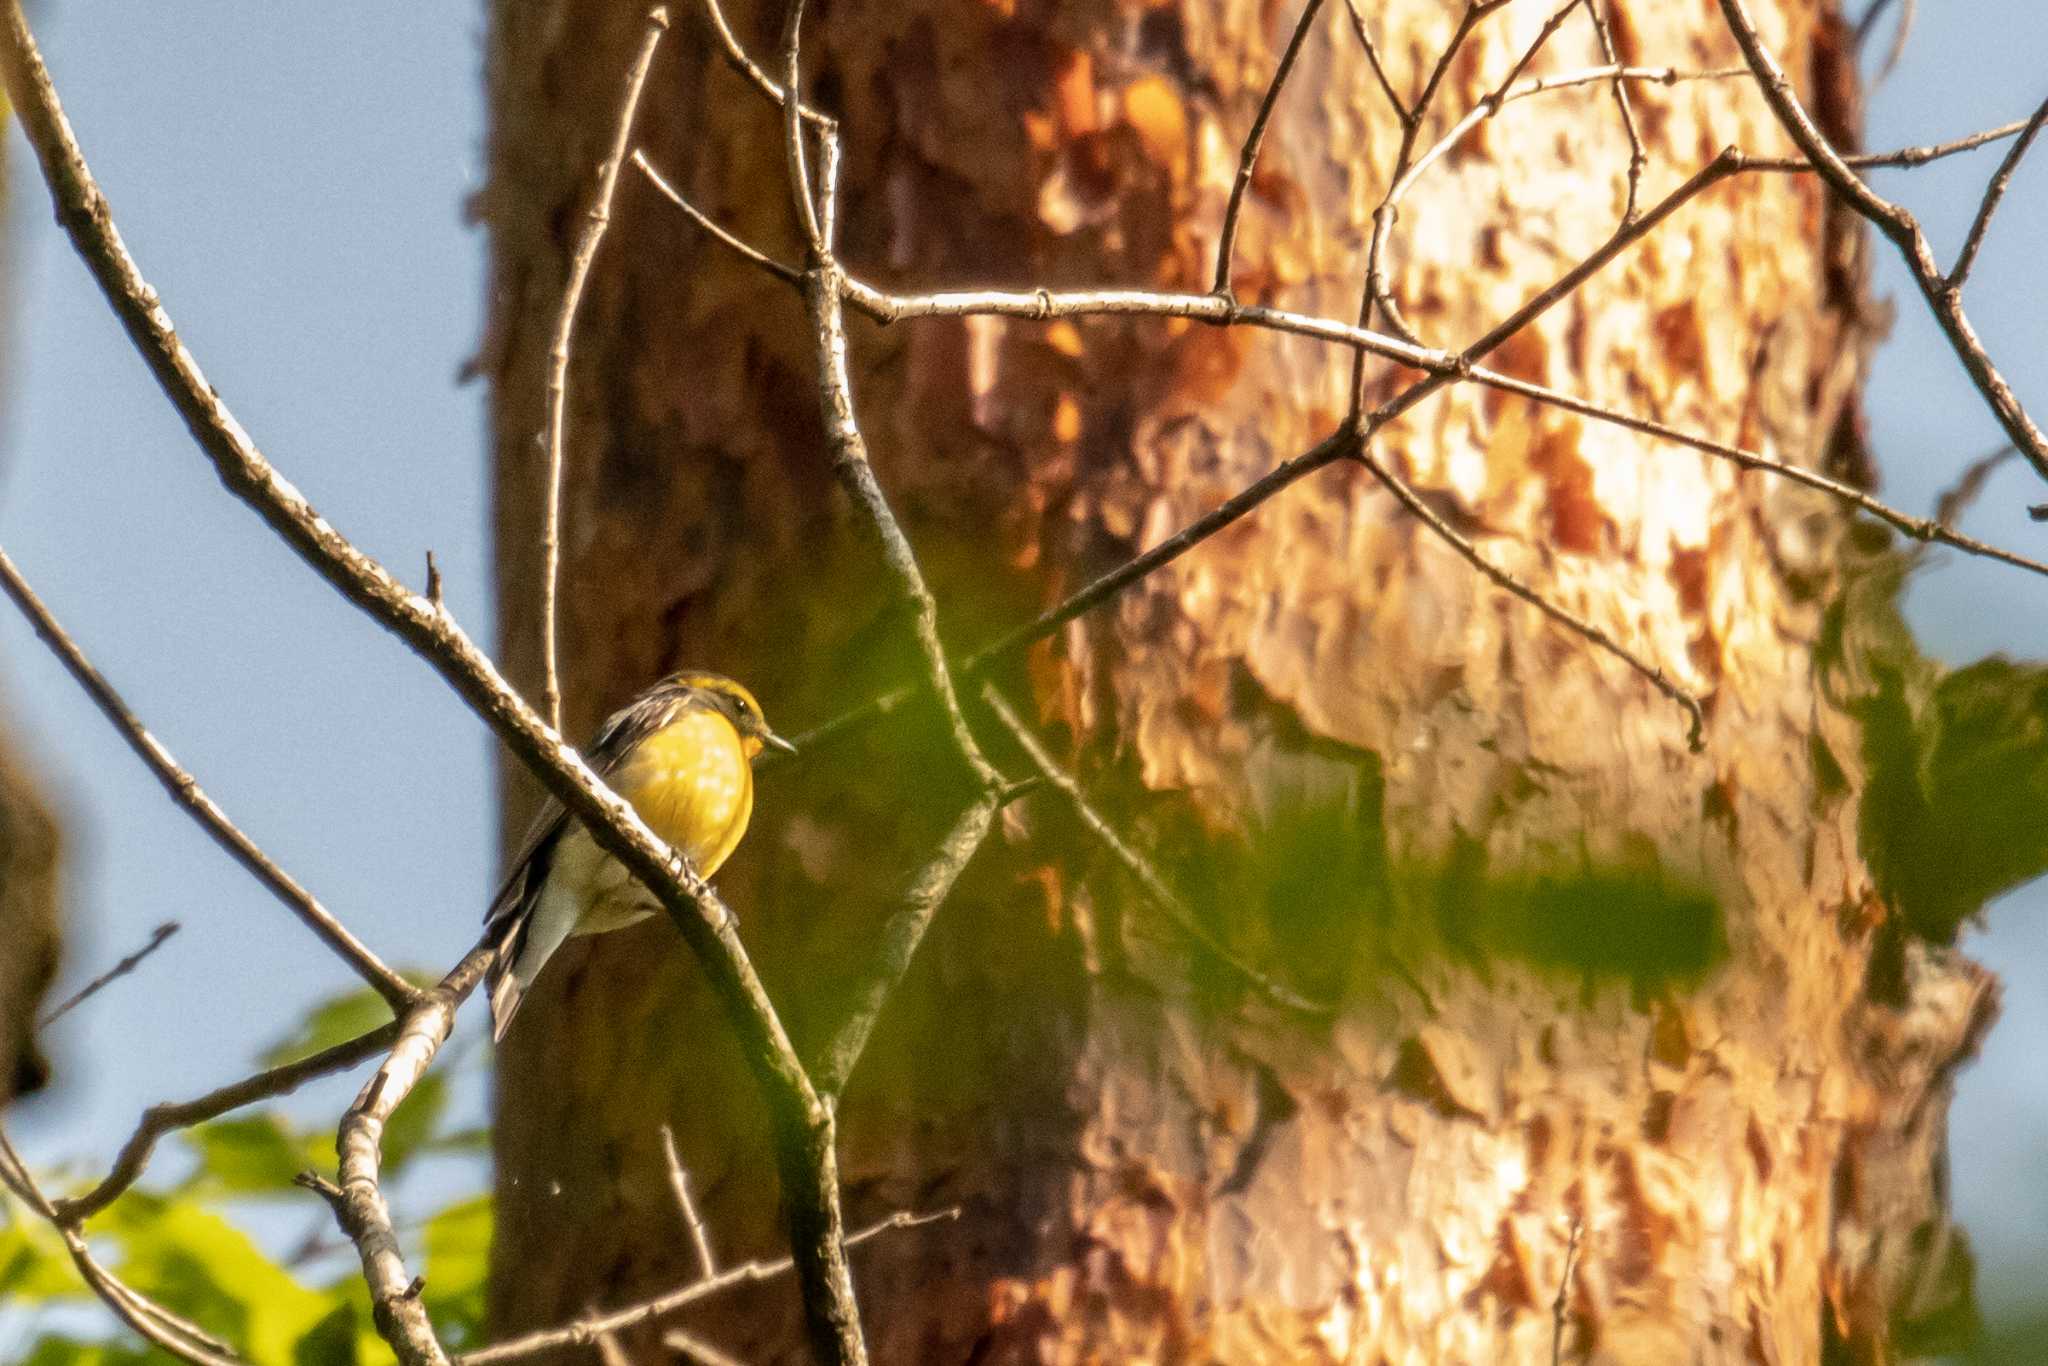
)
(28, 923)
(1624, 1037)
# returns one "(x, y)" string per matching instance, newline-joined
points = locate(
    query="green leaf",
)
(332, 1342)
(1960, 817)
(53, 1349)
(205, 1268)
(458, 1261)
(34, 1265)
(255, 1155)
(336, 1020)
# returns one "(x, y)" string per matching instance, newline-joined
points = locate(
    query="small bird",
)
(682, 753)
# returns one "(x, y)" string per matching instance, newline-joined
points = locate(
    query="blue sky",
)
(296, 196)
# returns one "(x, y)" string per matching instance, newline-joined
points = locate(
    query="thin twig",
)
(1487, 107)
(1994, 192)
(1868, 24)
(1376, 295)
(1248, 154)
(596, 221)
(169, 1117)
(694, 1349)
(1955, 500)
(896, 945)
(791, 99)
(1900, 227)
(736, 56)
(584, 1331)
(115, 973)
(824, 292)
(1564, 1286)
(1637, 158)
(178, 1336)
(185, 790)
(1372, 57)
(1140, 868)
(1696, 718)
(786, 274)
(679, 1182)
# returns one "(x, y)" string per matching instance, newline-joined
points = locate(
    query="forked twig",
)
(1248, 154)
(586, 1330)
(1900, 227)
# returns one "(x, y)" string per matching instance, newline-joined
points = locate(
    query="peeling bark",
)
(1585, 977)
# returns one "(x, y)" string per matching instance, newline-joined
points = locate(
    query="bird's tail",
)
(502, 977)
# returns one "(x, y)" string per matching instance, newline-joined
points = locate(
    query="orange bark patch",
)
(1577, 521)
(1206, 362)
(1645, 1230)
(1073, 95)
(1156, 114)
(1507, 1278)
(1677, 330)
(1689, 576)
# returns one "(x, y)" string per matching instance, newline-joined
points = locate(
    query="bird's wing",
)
(621, 733)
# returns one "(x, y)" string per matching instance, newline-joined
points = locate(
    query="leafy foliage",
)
(179, 1243)
(1955, 761)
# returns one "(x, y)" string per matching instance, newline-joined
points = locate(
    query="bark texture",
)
(1585, 979)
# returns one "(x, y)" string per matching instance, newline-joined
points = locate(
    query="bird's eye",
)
(740, 705)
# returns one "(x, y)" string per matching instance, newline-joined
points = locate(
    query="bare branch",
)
(824, 286)
(1868, 24)
(1897, 225)
(184, 789)
(791, 99)
(159, 1120)
(1637, 158)
(1372, 57)
(787, 274)
(1443, 367)
(1957, 497)
(1509, 94)
(1248, 155)
(736, 57)
(585, 1331)
(1375, 295)
(1994, 192)
(178, 1336)
(596, 221)
(359, 1205)
(115, 973)
(679, 1182)
(897, 943)
(694, 1349)
(1564, 1287)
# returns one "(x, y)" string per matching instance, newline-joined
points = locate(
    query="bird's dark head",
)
(738, 706)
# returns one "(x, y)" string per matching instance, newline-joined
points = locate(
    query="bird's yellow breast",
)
(692, 783)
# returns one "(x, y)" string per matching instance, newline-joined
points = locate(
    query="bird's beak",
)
(774, 741)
